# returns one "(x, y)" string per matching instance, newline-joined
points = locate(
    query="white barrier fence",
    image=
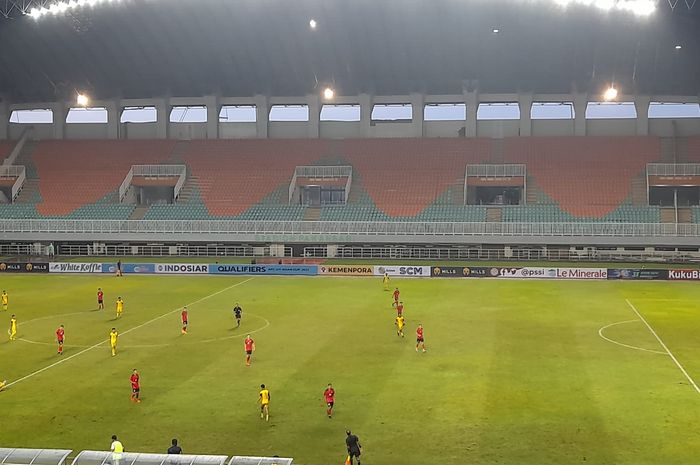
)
(345, 228)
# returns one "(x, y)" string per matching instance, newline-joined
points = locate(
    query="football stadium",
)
(326, 232)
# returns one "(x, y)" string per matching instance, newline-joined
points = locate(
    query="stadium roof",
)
(147, 48)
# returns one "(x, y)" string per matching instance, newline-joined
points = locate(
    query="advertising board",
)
(181, 268)
(130, 268)
(459, 272)
(401, 270)
(637, 274)
(23, 267)
(307, 270)
(684, 275)
(74, 267)
(549, 273)
(346, 270)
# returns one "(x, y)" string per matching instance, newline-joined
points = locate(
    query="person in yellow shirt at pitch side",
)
(5, 300)
(13, 328)
(120, 307)
(385, 281)
(113, 336)
(264, 403)
(400, 322)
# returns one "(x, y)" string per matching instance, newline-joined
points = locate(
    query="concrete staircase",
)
(497, 157)
(312, 214)
(639, 190)
(668, 150)
(139, 212)
(494, 214)
(176, 156)
(30, 190)
(668, 215)
(533, 192)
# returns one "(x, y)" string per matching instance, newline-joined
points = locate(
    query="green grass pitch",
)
(516, 371)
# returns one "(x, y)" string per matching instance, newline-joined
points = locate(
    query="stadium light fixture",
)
(637, 7)
(82, 100)
(678, 46)
(313, 24)
(61, 6)
(610, 94)
(495, 30)
(328, 93)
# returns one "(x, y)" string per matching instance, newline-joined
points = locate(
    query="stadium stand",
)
(74, 174)
(403, 177)
(571, 179)
(586, 177)
(693, 150)
(232, 176)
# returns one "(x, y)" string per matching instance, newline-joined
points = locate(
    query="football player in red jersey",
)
(60, 336)
(420, 340)
(184, 320)
(135, 386)
(100, 299)
(399, 309)
(249, 345)
(329, 395)
(396, 294)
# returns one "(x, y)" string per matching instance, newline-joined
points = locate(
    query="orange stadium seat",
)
(405, 176)
(76, 173)
(586, 176)
(234, 175)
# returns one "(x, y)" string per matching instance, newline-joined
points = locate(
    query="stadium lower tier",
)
(350, 212)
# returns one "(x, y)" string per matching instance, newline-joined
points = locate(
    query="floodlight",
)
(312, 24)
(495, 30)
(678, 47)
(328, 93)
(610, 94)
(82, 100)
(637, 7)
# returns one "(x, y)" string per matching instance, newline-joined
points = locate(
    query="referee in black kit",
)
(354, 447)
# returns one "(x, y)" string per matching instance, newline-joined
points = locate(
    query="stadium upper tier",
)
(569, 179)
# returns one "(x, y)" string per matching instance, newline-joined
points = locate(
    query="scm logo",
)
(411, 270)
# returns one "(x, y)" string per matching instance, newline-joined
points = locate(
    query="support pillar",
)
(213, 108)
(113, 116)
(471, 99)
(580, 104)
(314, 124)
(366, 102)
(4, 120)
(417, 106)
(262, 120)
(641, 103)
(60, 111)
(162, 118)
(525, 102)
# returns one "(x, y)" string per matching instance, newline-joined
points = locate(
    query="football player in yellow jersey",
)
(120, 307)
(385, 281)
(13, 328)
(5, 300)
(113, 336)
(3, 384)
(264, 403)
(400, 322)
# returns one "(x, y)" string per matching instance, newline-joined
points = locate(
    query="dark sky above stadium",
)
(146, 48)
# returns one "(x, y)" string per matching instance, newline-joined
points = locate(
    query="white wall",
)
(340, 130)
(442, 128)
(238, 130)
(611, 127)
(498, 129)
(288, 130)
(138, 131)
(86, 131)
(553, 127)
(188, 131)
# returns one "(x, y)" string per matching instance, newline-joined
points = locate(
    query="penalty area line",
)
(94, 346)
(675, 360)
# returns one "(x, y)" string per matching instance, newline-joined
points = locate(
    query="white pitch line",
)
(675, 360)
(41, 370)
(600, 333)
